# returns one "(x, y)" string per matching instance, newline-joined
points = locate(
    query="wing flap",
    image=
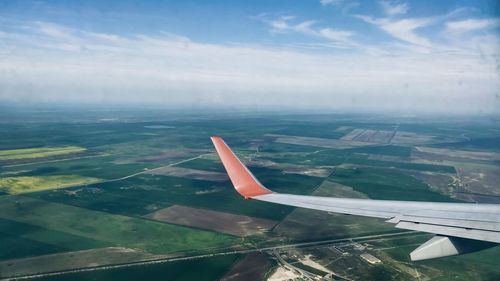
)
(475, 234)
(452, 222)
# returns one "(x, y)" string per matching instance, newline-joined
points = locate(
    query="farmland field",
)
(149, 184)
(14, 154)
(217, 221)
(114, 229)
(17, 185)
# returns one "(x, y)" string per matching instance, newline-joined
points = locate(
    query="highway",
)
(341, 241)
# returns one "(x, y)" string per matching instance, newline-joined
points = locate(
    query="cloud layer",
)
(46, 62)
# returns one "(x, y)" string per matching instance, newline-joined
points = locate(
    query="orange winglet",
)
(243, 180)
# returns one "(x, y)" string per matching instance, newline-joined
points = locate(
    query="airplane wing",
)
(460, 227)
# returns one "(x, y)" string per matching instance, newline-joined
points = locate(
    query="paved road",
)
(344, 241)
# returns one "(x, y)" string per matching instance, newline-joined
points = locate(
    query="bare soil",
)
(409, 138)
(318, 142)
(372, 136)
(455, 155)
(479, 182)
(291, 169)
(237, 225)
(253, 267)
(189, 173)
(171, 154)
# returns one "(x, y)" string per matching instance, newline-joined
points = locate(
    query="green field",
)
(18, 185)
(402, 165)
(27, 153)
(207, 269)
(21, 240)
(117, 230)
(132, 197)
(52, 204)
(380, 183)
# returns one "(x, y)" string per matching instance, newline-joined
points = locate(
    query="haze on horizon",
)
(397, 56)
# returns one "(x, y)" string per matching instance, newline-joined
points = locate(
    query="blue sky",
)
(401, 56)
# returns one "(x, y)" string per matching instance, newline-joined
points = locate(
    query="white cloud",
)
(170, 70)
(53, 30)
(471, 25)
(335, 35)
(283, 25)
(404, 29)
(392, 8)
(330, 2)
(345, 5)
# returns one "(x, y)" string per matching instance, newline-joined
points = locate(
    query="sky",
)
(315, 55)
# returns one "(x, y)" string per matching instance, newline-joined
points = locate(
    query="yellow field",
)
(25, 153)
(17, 185)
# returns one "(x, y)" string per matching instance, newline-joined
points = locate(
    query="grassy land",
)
(113, 229)
(403, 165)
(99, 167)
(203, 164)
(388, 184)
(135, 196)
(392, 150)
(207, 269)
(108, 213)
(332, 157)
(25, 153)
(18, 185)
(21, 240)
